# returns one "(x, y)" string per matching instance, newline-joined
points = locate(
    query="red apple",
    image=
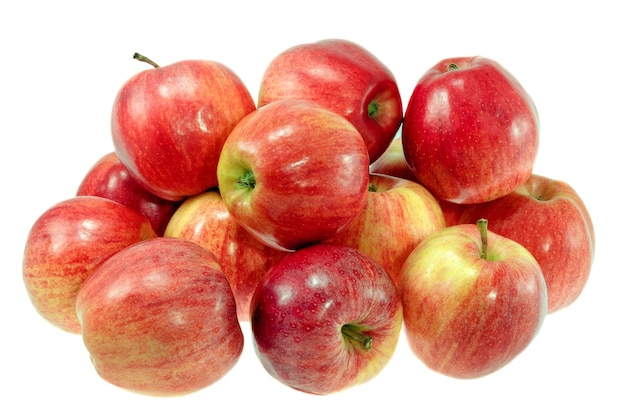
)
(346, 78)
(67, 243)
(392, 162)
(549, 218)
(294, 173)
(205, 220)
(471, 131)
(159, 318)
(169, 124)
(473, 300)
(109, 178)
(325, 318)
(398, 215)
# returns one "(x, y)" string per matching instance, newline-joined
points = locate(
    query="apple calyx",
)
(372, 109)
(355, 337)
(482, 227)
(143, 58)
(246, 181)
(372, 188)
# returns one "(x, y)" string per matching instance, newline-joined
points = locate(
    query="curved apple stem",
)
(482, 227)
(143, 58)
(352, 334)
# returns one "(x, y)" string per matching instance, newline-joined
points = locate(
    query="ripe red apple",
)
(205, 220)
(392, 162)
(325, 318)
(398, 215)
(159, 318)
(294, 173)
(473, 300)
(471, 131)
(109, 178)
(346, 78)
(67, 243)
(169, 124)
(549, 218)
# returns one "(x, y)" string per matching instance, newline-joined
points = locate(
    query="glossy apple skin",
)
(346, 78)
(169, 124)
(299, 309)
(311, 171)
(398, 215)
(205, 220)
(549, 218)
(109, 178)
(159, 318)
(465, 316)
(67, 243)
(393, 163)
(470, 135)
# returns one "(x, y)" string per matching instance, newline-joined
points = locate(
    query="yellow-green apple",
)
(169, 124)
(393, 163)
(346, 78)
(109, 178)
(67, 243)
(325, 318)
(549, 218)
(159, 318)
(205, 220)
(470, 131)
(398, 215)
(473, 300)
(294, 173)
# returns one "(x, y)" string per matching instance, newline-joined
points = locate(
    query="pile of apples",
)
(323, 215)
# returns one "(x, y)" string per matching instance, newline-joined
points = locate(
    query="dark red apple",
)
(109, 178)
(326, 318)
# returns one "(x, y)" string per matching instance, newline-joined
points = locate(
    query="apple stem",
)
(142, 58)
(372, 109)
(482, 227)
(352, 334)
(246, 181)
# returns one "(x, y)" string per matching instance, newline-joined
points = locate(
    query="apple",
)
(67, 243)
(205, 220)
(470, 131)
(346, 78)
(392, 162)
(169, 124)
(398, 215)
(159, 318)
(473, 300)
(549, 218)
(109, 178)
(293, 173)
(325, 318)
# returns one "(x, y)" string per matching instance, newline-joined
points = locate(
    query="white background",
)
(63, 62)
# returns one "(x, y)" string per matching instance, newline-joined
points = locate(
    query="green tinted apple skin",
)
(310, 172)
(550, 219)
(466, 316)
(344, 77)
